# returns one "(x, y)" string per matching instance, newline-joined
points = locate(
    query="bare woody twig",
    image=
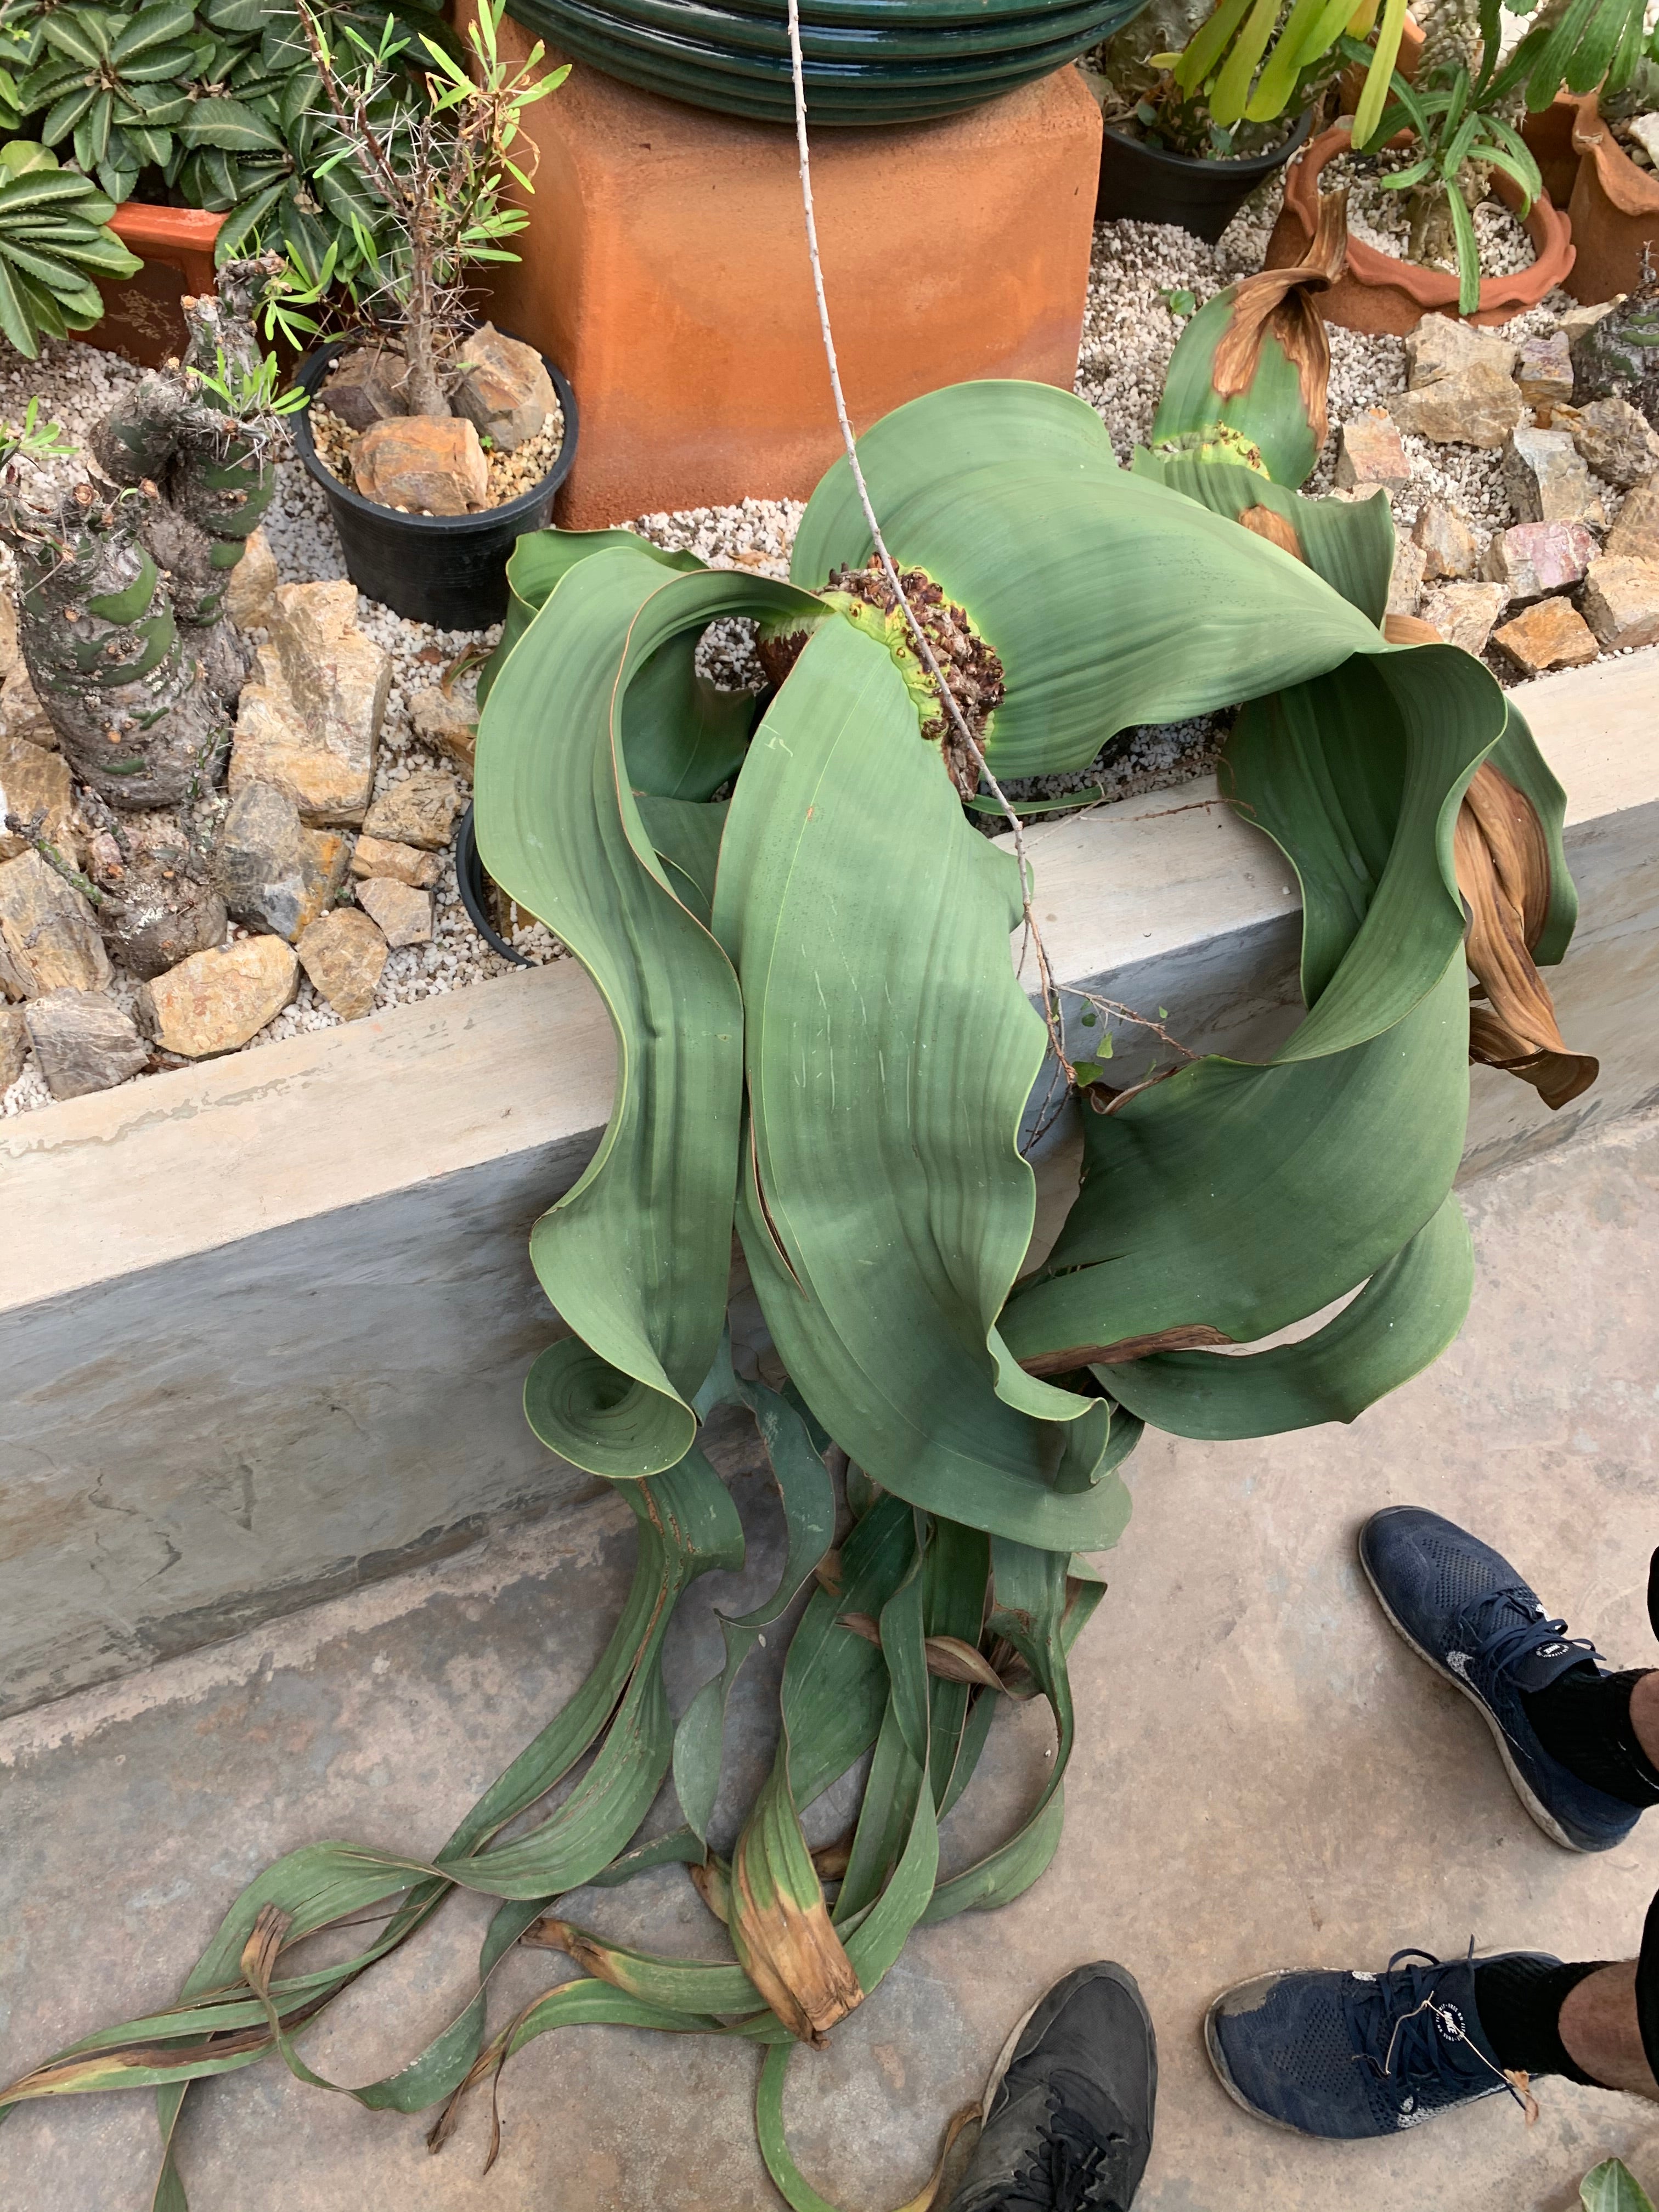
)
(1051, 1013)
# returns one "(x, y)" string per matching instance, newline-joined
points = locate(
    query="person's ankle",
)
(1644, 1715)
(1598, 2028)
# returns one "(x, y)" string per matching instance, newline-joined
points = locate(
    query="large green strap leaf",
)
(1084, 578)
(889, 1053)
(636, 1256)
(1243, 1199)
(540, 561)
(1407, 1315)
(1350, 542)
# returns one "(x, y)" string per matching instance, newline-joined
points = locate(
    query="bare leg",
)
(1645, 1715)
(1597, 2025)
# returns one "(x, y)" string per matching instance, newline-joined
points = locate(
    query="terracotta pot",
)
(1377, 292)
(142, 319)
(1615, 211)
(1548, 136)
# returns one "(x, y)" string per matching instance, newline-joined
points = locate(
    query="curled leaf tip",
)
(1504, 873)
(1283, 303)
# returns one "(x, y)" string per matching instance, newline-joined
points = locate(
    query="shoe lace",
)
(1506, 1624)
(1410, 2035)
(1069, 2165)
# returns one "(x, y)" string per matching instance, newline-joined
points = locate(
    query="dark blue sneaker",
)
(1462, 1607)
(1353, 2055)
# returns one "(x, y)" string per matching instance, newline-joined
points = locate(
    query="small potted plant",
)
(1201, 104)
(436, 441)
(1448, 212)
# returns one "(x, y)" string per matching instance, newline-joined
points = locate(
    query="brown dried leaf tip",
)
(780, 1925)
(1502, 865)
(1285, 301)
(259, 1962)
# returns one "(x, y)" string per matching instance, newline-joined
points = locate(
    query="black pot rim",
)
(309, 374)
(1253, 166)
(469, 861)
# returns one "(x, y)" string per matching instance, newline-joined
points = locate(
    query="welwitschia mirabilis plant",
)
(803, 943)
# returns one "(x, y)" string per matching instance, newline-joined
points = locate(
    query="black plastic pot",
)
(474, 887)
(1142, 184)
(447, 569)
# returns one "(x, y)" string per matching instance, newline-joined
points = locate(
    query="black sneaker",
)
(1068, 2109)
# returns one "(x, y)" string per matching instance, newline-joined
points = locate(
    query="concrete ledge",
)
(264, 1322)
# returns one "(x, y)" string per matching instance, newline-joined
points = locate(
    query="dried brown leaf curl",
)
(1184, 1336)
(949, 1659)
(1285, 302)
(1504, 873)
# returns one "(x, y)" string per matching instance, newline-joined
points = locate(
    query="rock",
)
(1545, 480)
(1448, 543)
(404, 912)
(1536, 558)
(1613, 439)
(34, 782)
(448, 724)
(1644, 130)
(1442, 346)
(9, 648)
(402, 864)
(1405, 584)
(1635, 533)
(83, 1040)
(422, 465)
(14, 1045)
(1544, 371)
(274, 872)
(310, 715)
(49, 939)
(419, 811)
(1577, 321)
(1461, 388)
(507, 392)
(215, 1001)
(1464, 613)
(253, 580)
(1621, 603)
(21, 715)
(343, 954)
(1552, 633)
(366, 387)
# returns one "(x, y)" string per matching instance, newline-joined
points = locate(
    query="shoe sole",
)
(1535, 1805)
(1005, 2057)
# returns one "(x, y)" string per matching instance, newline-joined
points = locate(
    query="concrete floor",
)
(1267, 1777)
